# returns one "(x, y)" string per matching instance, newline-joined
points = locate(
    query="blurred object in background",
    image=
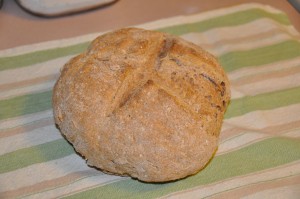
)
(56, 8)
(295, 4)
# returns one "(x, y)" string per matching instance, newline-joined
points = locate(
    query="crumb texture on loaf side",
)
(142, 103)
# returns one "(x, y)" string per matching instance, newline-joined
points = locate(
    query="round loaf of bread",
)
(143, 104)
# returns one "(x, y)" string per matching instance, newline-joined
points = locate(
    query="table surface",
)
(21, 28)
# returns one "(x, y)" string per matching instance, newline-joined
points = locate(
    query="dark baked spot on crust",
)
(178, 63)
(167, 45)
(223, 88)
(191, 80)
(125, 100)
(208, 97)
(173, 76)
(209, 79)
(216, 106)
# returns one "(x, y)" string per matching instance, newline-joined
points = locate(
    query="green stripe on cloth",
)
(233, 19)
(259, 56)
(227, 20)
(26, 104)
(42, 101)
(256, 157)
(40, 56)
(264, 101)
(37, 154)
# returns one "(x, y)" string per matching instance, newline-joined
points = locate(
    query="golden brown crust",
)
(142, 103)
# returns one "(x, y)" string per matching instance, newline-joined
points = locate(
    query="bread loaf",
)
(143, 104)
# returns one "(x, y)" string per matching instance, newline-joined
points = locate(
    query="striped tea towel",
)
(259, 152)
